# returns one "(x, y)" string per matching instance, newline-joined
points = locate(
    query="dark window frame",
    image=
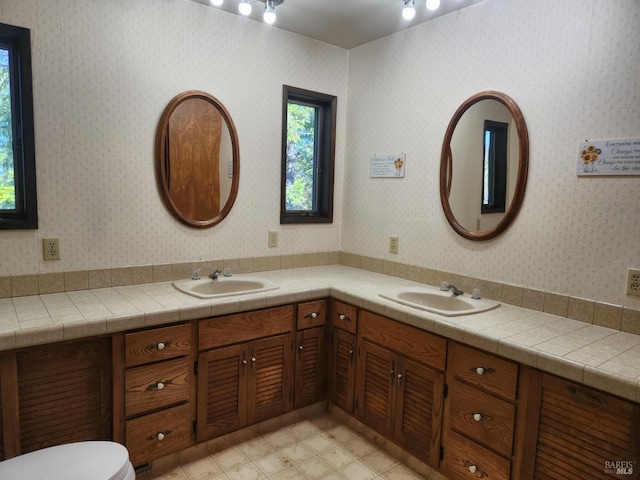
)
(497, 168)
(325, 147)
(25, 216)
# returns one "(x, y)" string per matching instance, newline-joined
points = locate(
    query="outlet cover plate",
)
(51, 248)
(633, 281)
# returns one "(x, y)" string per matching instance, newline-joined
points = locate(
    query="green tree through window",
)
(7, 186)
(300, 173)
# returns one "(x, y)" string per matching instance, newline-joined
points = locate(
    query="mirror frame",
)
(161, 166)
(523, 166)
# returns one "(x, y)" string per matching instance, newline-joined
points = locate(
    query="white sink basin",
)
(223, 286)
(437, 301)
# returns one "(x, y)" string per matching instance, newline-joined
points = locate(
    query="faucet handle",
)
(227, 272)
(444, 286)
(196, 274)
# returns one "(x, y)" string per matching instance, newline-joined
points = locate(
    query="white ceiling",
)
(345, 23)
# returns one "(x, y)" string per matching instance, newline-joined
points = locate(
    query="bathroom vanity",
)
(408, 375)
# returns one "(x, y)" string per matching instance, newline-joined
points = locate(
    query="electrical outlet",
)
(51, 248)
(633, 281)
(393, 244)
(273, 238)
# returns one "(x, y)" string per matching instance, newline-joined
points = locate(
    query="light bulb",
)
(409, 11)
(216, 3)
(244, 7)
(269, 13)
(433, 4)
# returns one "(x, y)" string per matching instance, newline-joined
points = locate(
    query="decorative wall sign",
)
(383, 166)
(609, 157)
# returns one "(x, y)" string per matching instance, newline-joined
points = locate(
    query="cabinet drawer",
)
(150, 387)
(229, 329)
(158, 434)
(483, 417)
(464, 459)
(412, 342)
(157, 344)
(344, 316)
(483, 370)
(312, 314)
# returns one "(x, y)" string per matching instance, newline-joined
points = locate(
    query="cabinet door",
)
(222, 391)
(375, 392)
(270, 378)
(342, 369)
(418, 414)
(582, 433)
(310, 367)
(64, 394)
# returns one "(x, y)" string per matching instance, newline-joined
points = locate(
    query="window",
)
(494, 172)
(308, 151)
(17, 150)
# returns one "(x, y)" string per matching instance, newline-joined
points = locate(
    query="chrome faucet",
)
(455, 291)
(215, 274)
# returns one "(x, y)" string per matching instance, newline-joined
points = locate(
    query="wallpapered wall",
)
(105, 70)
(103, 73)
(573, 67)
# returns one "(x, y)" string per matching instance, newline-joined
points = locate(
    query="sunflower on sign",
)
(589, 156)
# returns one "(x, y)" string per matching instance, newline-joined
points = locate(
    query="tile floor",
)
(306, 445)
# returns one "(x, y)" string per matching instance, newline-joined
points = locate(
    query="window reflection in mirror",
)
(494, 171)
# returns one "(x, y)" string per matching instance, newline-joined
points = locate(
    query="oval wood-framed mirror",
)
(197, 159)
(484, 165)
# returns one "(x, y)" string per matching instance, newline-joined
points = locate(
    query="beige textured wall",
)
(573, 67)
(103, 73)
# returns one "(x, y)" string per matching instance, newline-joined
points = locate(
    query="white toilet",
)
(73, 461)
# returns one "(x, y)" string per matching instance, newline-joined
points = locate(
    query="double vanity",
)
(163, 370)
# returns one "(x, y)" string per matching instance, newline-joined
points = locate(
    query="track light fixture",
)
(409, 10)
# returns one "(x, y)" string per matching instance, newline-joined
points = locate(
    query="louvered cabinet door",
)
(310, 366)
(418, 411)
(222, 391)
(270, 381)
(375, 393)
(582, 433)
(342, 374)
(64, 394)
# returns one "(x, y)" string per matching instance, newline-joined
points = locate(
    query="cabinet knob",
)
(244, 362)
(160, 436)
(253, 359)
(160, 386)
(342, 316)
(477, 417)
(314, 315)
(473, 468)
(300, 348)
(480, 370)
(161, 346)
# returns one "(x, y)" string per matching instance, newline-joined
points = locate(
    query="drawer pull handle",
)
(342, 316)
(311, 315)
(473, 468)
(477, 417)
(160, 386)
(479, 371)
(159, 436)
(161, 346)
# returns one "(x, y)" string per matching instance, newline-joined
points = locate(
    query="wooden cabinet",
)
(480, 415)
(55, 394)
(578, 432)
(245, 369)
(310, 363)
(155, 407)
(342, 354)
(400, 384)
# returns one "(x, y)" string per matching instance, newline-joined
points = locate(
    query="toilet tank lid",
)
(96, 460)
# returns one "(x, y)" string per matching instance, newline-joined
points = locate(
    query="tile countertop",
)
(596, 356)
